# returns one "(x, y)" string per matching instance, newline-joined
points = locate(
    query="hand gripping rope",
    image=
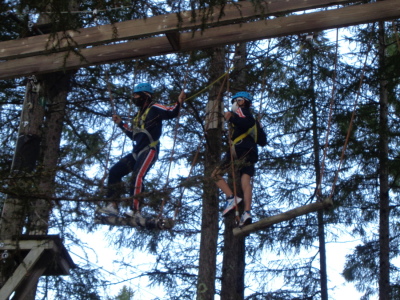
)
(223, 76)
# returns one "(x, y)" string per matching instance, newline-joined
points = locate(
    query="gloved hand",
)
(182, 97)
(117, 119)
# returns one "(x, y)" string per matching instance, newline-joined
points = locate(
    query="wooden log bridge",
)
(291, 214)
(139, 222)
(35, 256)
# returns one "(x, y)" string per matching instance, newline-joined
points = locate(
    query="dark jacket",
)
(242, 120)
(152, 123)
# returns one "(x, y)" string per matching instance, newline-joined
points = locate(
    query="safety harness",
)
(251, 131)
(139, 123)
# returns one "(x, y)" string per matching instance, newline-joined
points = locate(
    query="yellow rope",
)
(210, 85)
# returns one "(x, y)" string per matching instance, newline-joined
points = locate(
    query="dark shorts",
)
(244, 161)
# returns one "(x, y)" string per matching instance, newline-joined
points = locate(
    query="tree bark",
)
(285, 216)
(24, 162)
(210, 212)
(384, 209)
(56, 88)
(317, 166)
(22, 179)
(233, 265)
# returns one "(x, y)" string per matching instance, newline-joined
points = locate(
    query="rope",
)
(231, 151)
(350, 125)
(318, 191)
(179, 203)
(231, 148)
(112, 134)
(210, 85)
(130, 105)
(262, 93)
(110, 94)
(175, 138)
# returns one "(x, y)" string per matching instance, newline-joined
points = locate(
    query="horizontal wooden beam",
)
(152, 26)
(64, 61)
(61, 261)
(211, 37)
(295, 24)
(27, 244)
(291, 214)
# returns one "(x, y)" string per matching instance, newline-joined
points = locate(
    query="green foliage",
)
(292, 80)
(126, 293)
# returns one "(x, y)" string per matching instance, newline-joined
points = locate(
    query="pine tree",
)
(299, 94)
(210, 207)
(294, 114)
(372, 258)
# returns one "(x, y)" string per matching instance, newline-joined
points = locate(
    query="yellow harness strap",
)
(252, 131)
(139, 123)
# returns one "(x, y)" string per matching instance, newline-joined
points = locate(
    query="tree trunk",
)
(210, 212)
(384, 210)
(317, 166)
(22, 179)
(55, 90)
(35, 160)
(322, 256)
(233, 265)
(55, 87)
(24, 163)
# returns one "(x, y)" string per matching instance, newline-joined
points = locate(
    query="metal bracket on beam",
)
(174, 39)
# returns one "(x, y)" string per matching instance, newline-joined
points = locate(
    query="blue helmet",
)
(244, 95)
(143, 87)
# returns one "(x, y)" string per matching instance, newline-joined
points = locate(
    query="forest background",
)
(306, 89)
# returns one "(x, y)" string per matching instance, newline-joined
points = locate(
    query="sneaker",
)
(129, 214)
(245, 219)
(230, 204)
(140, 221)
(108, 210)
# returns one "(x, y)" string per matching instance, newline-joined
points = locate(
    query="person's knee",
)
(246, 179)
(216, 174)
(113, 171)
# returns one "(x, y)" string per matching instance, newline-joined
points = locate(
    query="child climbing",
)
(243, 153)
(146, 132)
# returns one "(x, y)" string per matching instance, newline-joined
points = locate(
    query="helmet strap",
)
(144, 99)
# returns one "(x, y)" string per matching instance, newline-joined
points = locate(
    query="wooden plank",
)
(318, 21)
(30, 281)
(291, 214)
(212, 37)
(61, 262)
(27, 264)
(147, 223)
(152, 26)
(90, 56)
(174, 40)
(64, 265)
(26, 244)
